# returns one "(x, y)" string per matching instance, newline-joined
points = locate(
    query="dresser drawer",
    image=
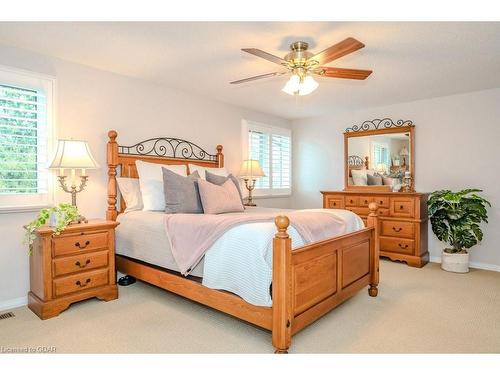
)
(402, 207)
(351, 201)
(397, 245)
(361, 211)
(383, 202)
(335, 203)
(79, 263)
(80, 281)
(65, 245)
(398, 229)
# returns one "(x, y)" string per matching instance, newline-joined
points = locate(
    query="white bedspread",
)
(241, 259)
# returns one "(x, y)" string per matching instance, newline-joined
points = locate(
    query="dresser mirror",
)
(380, 159)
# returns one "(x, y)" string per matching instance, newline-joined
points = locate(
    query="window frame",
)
(246, 126)
(32, 80)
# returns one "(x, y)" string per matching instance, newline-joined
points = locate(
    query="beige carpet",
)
(418, 310)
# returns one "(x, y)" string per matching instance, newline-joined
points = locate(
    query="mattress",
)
(240, 261)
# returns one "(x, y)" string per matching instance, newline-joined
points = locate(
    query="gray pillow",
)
(181, 193)
(219, 180)
(374, 180)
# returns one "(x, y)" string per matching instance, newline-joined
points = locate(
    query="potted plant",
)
(455, 219)
(59, 216)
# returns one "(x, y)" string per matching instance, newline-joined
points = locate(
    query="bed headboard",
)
(357, 162)
(160, 150)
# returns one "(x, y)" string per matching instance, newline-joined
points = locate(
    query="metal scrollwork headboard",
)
(173, 148)
(376, 124)
(355, 161)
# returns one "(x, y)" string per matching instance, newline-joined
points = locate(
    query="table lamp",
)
(250, 171)
(404, 153)
(72, 154)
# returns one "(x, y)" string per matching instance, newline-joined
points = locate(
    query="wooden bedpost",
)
(282, 286)
(374, 221)
(220, 156)
(112, 156)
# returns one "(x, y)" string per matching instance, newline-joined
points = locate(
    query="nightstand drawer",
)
(65, 245)
(398, 229)
(79, 263)
(79, 282)
(397, 245)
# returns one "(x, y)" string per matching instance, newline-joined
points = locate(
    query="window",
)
(272, 147)
(381, 155)
(25, 139)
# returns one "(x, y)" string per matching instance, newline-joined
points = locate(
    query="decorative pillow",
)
(359, 176)
(151, 183)
(219, 180)
(202, 171)
(219, 199)
(390, 181)
(181, 193)
(130, 193)
(374, 180)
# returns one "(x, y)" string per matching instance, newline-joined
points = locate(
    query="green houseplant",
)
(64, 214)
(455, 219)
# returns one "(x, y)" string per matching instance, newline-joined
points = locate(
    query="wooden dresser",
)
(403, 231)
(77, 264)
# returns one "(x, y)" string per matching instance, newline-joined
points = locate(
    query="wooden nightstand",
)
(76, 265)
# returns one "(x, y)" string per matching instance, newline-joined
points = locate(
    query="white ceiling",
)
(410, 61)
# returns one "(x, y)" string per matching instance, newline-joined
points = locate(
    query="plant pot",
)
(458, 262)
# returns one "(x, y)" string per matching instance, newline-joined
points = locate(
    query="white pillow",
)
(130, 193)
(201, 170)
(359, 177)
(151, 183)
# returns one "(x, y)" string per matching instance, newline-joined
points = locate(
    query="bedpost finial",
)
(219, 149)
(112, 134)
(373, 207)
(282, 222)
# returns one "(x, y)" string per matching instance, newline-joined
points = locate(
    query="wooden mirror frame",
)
(363, 133)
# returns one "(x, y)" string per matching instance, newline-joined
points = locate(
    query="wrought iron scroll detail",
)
(173, 148)
(375, 124)
(355, 161)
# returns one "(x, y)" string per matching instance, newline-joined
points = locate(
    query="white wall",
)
(457, 146)
(89, 103)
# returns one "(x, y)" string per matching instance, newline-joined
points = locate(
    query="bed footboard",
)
(313, 279)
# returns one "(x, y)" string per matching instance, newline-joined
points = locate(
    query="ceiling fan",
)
(302, 64)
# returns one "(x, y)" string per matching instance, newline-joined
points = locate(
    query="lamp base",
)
(249, 204)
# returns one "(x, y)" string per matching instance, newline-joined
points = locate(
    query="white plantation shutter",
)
(24, 140)
(272, 148)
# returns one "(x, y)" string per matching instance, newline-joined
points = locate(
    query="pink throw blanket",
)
(191, 235)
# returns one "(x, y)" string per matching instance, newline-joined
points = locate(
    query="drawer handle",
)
(81, 247)
(351, 201)
(381, 202)
(334, 203)
(78, 283)
(403, 247)
(397, 230)
(366, 202)
(401, 207)
(78, 264)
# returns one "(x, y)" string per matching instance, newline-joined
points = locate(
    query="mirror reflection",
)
(379, 160)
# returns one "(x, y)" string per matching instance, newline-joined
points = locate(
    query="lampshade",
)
(73, 154)
(298, 86)
(251, 169)
(404, 152)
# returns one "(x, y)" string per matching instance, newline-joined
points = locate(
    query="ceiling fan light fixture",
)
(298, 86)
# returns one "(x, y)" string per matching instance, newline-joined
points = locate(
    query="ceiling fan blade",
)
(257, 77)
(325, 71)
(338, 50)
(264, 55)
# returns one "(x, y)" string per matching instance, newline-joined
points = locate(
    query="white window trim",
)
(245, 126)
(30, 203)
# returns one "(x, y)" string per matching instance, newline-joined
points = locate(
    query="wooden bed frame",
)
(307, 282)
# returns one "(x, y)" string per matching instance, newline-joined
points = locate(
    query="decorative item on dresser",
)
(76, 265)
(307, 282)
(403, 221)
(403, 215)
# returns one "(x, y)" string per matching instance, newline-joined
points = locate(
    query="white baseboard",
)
(482, 266)
(13, 303)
